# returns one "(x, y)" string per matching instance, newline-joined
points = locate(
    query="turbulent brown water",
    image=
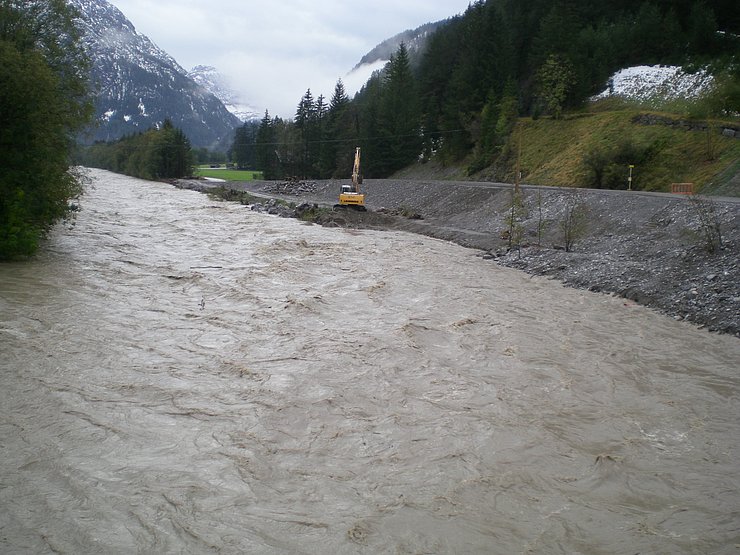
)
(183, 375)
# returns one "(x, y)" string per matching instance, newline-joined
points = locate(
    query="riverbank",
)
(648, 248)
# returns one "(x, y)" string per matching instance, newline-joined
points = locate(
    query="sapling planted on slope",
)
(710, 222)
(575, 219)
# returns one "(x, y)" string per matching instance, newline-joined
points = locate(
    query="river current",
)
(183, 375)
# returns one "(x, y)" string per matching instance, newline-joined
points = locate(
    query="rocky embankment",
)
(650, 248)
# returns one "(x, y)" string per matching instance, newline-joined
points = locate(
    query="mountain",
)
(375, 60)
(414, 39)
(211, 80)
(138, 85)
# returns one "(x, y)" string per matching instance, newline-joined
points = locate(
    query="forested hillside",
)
(158, 153)
(499, 61)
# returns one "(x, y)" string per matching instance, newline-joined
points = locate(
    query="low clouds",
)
(273, 51)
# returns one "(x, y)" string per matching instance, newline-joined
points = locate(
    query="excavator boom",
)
(356, 179)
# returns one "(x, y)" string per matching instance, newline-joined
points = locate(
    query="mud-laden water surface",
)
(184, 375)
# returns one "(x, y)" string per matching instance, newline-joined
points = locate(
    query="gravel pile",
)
(292, 188)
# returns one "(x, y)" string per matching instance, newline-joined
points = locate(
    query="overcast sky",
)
(274, 50)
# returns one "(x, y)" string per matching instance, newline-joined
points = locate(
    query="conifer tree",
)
(316, 137)
(305, 111)
(305, 123)
(368, 106)
(242, 150)
(400, 116)
(265, 148)
(335, 155)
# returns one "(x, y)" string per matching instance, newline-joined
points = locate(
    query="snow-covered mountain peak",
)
(139, 85)
(214, 82)
(105, 25)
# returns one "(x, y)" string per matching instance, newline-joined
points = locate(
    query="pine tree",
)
(265, 148)
(645, 41)
(316, 137)
(242, 151)
(180, 154)
(441, 55)
(287, 149)
(338, 135)
(702, 29)
(368, 107)
(305, 123)
(400, 114)
(305, 110)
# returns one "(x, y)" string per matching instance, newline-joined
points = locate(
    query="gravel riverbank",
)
(646, 247)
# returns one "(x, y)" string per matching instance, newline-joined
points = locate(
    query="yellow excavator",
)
(350, 195)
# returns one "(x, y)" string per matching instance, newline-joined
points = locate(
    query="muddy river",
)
(181, 375)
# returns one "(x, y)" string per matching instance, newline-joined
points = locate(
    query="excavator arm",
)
(356, 176)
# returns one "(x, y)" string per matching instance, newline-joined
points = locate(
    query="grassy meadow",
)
(227, 174)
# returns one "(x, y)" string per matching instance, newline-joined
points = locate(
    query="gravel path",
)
(645, 247)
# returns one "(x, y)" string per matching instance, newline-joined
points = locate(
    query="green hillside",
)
(570, 151)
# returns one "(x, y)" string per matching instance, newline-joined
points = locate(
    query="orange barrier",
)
(682, 188)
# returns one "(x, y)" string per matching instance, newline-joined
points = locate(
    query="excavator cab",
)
(350, 195)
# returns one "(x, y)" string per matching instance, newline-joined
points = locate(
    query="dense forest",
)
(44, 102)
(154, 154)
(500, 60)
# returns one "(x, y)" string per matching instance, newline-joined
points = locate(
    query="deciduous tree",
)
(555, 79)
(43, 104)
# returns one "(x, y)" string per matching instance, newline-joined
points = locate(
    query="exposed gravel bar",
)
(645, 247)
